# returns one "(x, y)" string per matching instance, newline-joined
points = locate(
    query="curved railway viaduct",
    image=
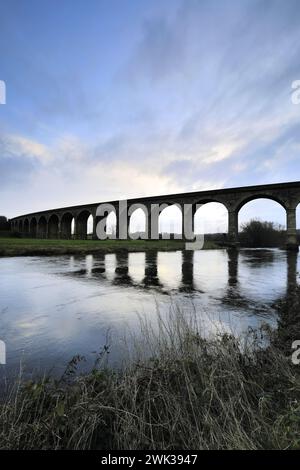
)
(56, 223)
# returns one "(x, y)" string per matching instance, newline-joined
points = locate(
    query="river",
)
(52, 308)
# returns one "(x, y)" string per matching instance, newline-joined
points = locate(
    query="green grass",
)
(187, 393)
(31, 246)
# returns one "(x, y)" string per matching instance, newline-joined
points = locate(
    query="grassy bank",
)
(192, 393)
(35, 247)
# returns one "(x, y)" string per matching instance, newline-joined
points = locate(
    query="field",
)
(36, 247)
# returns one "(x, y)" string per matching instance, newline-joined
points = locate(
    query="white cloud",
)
(17, 145)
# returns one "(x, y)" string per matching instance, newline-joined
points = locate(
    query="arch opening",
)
(211, 219)
(66, 225)
(33, 227)
(298, 223)
(170, 222)
(111, 224)
(26, 227)
(53, 227)
(90, 226)
(42, 227)
(298, 217)
(262, 223)
(84, 225)
(73, 228)
(137, 224)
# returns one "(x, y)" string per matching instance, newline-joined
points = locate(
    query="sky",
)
(114, 99)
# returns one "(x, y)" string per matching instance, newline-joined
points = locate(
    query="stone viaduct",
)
(56, 223)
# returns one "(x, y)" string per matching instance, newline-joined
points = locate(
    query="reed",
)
(186, 392)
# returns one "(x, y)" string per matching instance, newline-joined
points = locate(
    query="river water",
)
(52, 308)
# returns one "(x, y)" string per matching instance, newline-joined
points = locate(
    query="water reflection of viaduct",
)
(186, 284)
(57, 223)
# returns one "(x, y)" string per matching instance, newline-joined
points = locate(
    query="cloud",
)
(27, 148)
(160, 53)
(197, 98)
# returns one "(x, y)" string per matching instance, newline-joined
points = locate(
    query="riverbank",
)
(35, 247)
(191, 393)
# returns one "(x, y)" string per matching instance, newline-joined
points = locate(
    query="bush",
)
(4, 224)
(262, 234)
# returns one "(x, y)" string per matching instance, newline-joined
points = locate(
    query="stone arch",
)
(20, 226)
(210, 216)
(90, 226)
(111, 223)
(138, 221)
(66, 225)
(257, 213)
(207, 200)
(170, 221)
(297, 222)
(53, 226)
(235, 207)
(106, 223)
(26, 227)
(254, 197)
(42, 227)
(266, 210)
(33, 227)
(298, 216)
(82, 224)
